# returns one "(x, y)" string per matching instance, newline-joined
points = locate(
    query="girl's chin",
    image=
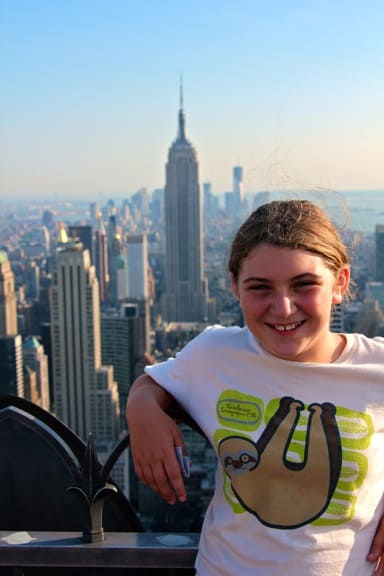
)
(285, 353)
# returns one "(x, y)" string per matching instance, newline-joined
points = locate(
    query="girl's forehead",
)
(271, 259)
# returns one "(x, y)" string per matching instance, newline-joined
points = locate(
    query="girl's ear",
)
(341, 285)
(234, 287)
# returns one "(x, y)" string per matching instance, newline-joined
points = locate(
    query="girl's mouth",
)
(285, 328)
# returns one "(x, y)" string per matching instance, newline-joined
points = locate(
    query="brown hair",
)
(291, 224)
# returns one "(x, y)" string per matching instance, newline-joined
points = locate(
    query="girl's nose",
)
(283, 305)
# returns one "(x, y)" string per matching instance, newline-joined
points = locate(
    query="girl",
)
(294, 411)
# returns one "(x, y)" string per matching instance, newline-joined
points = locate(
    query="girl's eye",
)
(305, 284)
(259, 287)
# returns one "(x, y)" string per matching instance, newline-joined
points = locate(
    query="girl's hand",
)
(376, 553)
(153, 445)
(153, 440)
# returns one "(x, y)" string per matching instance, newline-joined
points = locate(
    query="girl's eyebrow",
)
(255, 279)
(297, 277)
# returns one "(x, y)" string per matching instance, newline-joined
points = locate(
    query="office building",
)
(84, 234)
(369, 318)
(144, 325)
(375, 291)
(46, 341)
(8, 313)
(94, 211)
(211, 202)
(85, 392)
(117, 287)
(121, 348)
(11, 366)
(185, 298)
(238, 187)
(337, 318)
(136, 249)
(157, 207)
(11, 353)
(35, 359)
(140, 205)
(379, 242)
(140, 285)
(101, 258)
(32, 280)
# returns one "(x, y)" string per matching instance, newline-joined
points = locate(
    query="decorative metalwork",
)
(93, 489)
(94, 486)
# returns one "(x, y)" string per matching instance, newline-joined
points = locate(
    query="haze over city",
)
(292, 91)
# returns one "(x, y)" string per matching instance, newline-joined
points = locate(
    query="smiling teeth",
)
(285, 327)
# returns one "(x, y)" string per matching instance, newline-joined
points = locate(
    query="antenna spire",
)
(181, 135)
(181, 93)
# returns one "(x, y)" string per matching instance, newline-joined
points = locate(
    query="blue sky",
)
(292, 90)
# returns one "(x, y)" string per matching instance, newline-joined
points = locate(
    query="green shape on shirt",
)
(239, 411)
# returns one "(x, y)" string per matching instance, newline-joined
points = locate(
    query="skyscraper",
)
(84, 234)
(101, 258)
(8, 314)
(11, 353)
(36, 360)
(11, 365)
(120, 337)
(375, 291)
(185, 297)
(337, 318)
(85, 392)
(32, 280)
(136, 246)
(238, 190)
(94, 211)
(379, 237)
(117, 264)
(140, 283)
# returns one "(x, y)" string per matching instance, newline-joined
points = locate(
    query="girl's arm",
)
(153, 438)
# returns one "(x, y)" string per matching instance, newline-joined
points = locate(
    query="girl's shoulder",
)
(219, 336)
(365, 347)
(218, 339)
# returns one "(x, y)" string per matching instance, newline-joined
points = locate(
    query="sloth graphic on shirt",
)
(305, 465)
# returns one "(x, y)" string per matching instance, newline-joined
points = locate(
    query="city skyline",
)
(290, 91)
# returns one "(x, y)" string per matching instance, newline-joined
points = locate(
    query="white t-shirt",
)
(300, 476)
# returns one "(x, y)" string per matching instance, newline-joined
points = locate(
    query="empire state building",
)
(185, 299)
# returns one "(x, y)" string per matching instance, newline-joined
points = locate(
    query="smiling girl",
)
(294, 411)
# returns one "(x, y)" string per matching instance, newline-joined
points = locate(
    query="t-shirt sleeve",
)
(177, 375)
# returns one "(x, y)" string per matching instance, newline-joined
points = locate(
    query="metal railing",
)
(26, 431)
(128, 553)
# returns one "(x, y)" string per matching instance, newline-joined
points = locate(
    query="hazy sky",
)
(293, 90)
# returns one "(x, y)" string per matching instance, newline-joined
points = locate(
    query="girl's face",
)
(286, 296)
